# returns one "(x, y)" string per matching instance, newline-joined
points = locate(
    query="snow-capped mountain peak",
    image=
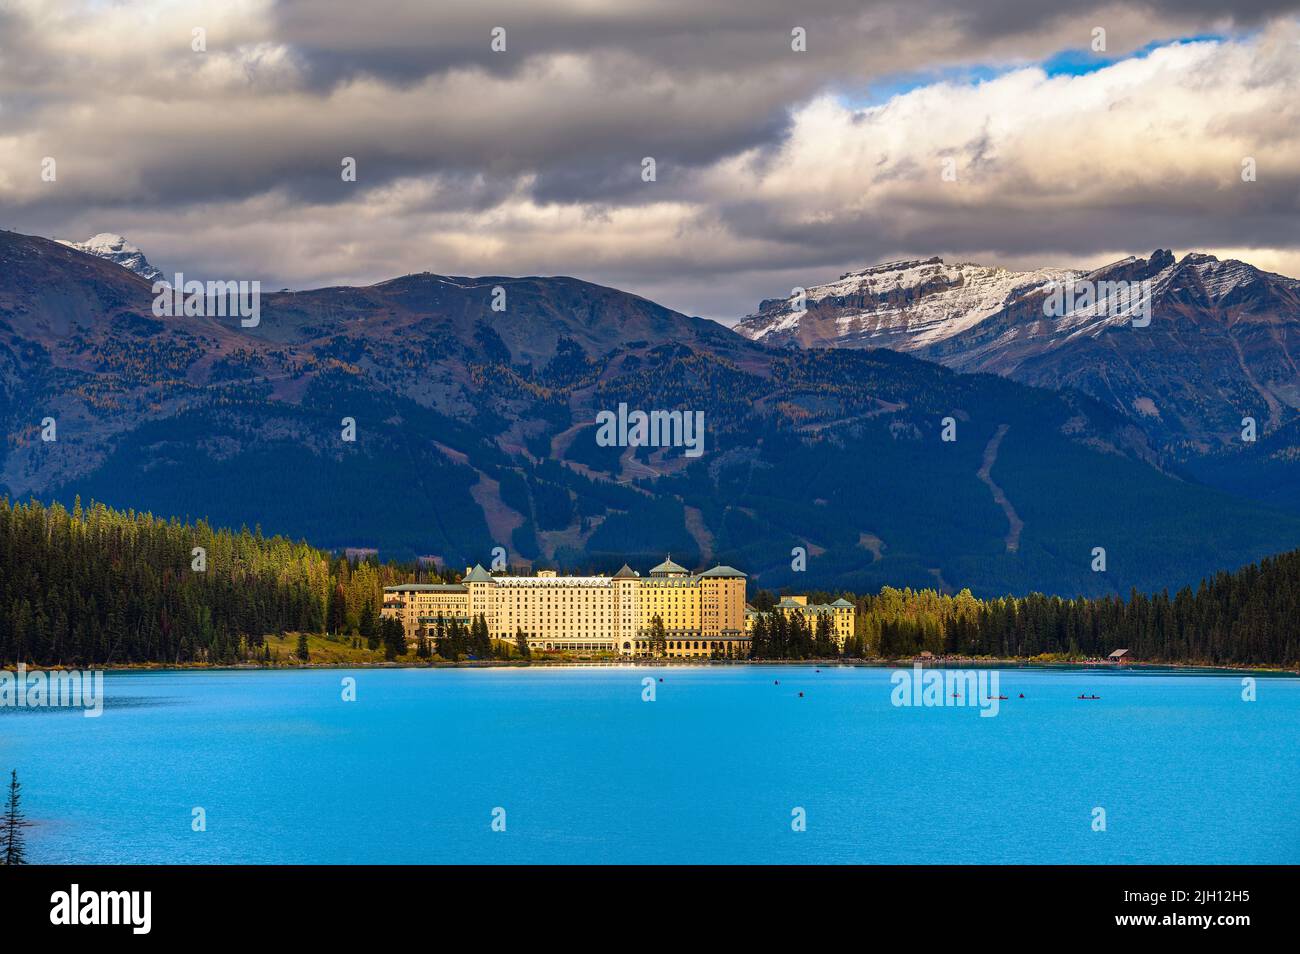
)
(1184, 347)
(904, 305)
(922, 304)
(117, 249)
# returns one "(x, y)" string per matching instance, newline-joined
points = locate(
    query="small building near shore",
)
(1118, 656)
(839, 614)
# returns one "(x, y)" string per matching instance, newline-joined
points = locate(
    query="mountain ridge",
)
(1216, 349)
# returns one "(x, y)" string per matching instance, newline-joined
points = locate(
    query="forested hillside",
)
(96, 586)
(1251, 616)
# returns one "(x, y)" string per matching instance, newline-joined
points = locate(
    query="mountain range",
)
(475, 428)
(1217, 347)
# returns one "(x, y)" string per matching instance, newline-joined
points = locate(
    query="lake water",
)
(711, 771)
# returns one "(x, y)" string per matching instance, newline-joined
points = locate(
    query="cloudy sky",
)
(774, 167)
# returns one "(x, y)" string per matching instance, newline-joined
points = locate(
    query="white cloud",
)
(227, 162)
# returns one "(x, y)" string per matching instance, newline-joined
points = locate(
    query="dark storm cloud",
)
(405, 41)
(529, 160)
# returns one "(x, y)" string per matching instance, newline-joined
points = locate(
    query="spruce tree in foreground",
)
(12, 845)
(303, 653)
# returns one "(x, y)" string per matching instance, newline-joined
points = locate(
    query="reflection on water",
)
(111, 702)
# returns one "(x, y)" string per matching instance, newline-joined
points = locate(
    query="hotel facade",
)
(703, 614)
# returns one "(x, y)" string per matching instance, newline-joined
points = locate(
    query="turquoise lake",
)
(710, 771)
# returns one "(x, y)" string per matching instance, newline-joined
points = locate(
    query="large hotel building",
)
(702, 613)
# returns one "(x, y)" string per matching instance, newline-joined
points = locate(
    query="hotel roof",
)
(425, 588)
(814, 609)
(667, 573)
(668, 566)
(729, 571)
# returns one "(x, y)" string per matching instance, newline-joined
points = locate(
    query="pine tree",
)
(12, 843)
(658, 636)
(441, 641)
(455, 644)
(521, 643)
(303, 653)
(481, 637)
(820, 632)
(394, 637)
(759, 641)
(368, 626)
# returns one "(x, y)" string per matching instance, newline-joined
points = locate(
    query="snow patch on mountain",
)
(1199, 278)
(118, 250)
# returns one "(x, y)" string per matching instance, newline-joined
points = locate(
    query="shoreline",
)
(905, 663)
